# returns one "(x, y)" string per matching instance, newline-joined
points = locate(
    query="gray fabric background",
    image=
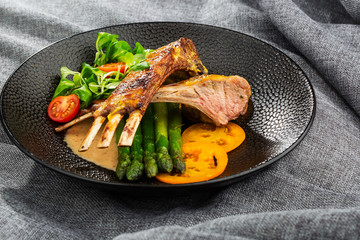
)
(312, 193)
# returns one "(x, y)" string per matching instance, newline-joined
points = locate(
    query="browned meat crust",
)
(137, 89)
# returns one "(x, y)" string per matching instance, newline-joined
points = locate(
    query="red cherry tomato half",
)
(64, 108)
(110, 67)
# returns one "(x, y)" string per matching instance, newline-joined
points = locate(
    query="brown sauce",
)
(106, 158)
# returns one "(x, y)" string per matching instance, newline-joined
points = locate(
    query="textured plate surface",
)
(280, 112)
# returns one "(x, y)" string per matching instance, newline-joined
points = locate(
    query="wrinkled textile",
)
(311, 193)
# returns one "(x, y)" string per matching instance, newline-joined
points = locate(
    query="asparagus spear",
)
(164, 160)
(123, 153)
(147, 125)
(136, 169)
(175, 142)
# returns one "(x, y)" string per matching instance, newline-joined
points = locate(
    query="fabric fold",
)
(311, 193)
(333, 48)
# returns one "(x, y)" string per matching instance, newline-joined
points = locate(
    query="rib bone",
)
(73, 122)
(92, 133)
(132, 123)
(109, 131)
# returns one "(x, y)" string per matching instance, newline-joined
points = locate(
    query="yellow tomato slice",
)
(204, 161)
(229, 137)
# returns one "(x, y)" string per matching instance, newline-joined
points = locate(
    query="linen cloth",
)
(311, 193)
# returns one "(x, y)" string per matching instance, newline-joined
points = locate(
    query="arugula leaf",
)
(140, 66)
(103, 40)
(112, 85)
(91, 74)
(64, 88)
(139, 58)
(65, 72)
(138, 49)
(95, 88)
(84, 94)
(148, 51)
(127, 58)
(77, 79)
(119, 49)
(92, 79)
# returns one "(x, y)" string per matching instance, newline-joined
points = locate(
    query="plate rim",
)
(135, 185)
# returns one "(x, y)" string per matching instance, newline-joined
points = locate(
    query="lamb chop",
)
(136, 90)
(220, 98)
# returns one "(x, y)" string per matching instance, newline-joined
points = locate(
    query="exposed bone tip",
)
(101, 146)
(128, 133)
(83, 149)
(92, 133)
(109, 131)
(125, 142)
(127, 137)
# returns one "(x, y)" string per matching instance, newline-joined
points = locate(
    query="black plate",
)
(280, 113)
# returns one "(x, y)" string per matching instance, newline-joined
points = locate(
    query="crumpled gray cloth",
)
(311, 193)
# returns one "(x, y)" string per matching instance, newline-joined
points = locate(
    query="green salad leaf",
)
(65, 72)
(140, 66)
(64, 88)
(111, 50)
(84, 95)
(92, 83)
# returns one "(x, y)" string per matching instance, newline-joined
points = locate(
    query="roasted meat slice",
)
(221, 98)
(136, 90)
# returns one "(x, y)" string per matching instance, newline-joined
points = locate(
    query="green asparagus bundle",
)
(124, 159)
(164, 160)
(175, 142)
(147, 125)
(136, 169)
(156, 146)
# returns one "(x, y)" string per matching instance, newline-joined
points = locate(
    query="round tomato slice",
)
(229, 137)
(111, 67)
(64, 108)
(204, 161)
